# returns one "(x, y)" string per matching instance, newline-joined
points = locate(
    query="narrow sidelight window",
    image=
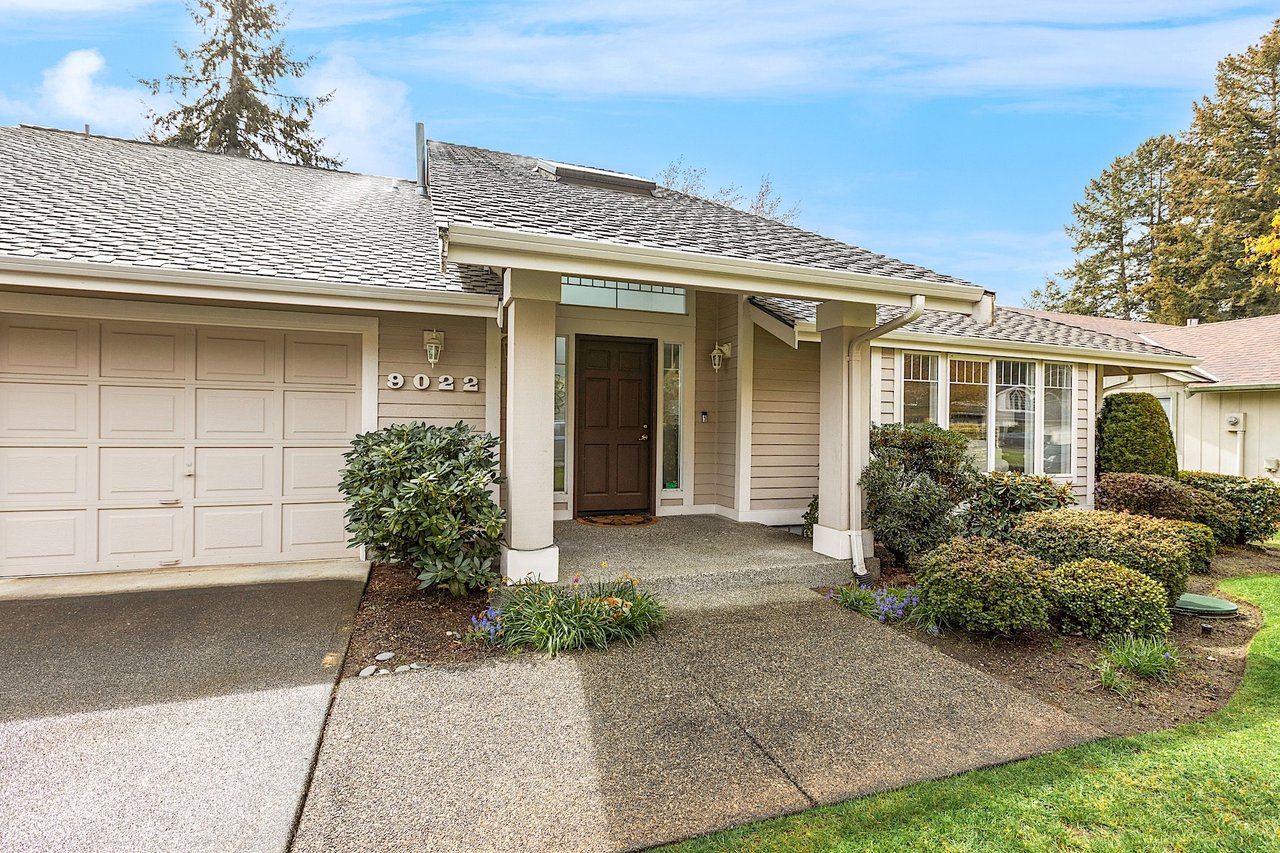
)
(561, 411)
(672, 369)
(1058, 432)
(1015, 416)
(967, 409)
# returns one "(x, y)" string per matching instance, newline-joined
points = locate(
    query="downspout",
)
(912, 314)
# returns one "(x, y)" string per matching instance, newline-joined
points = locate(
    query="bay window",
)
(1017, 414)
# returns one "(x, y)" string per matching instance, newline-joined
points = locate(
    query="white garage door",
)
(131, 445)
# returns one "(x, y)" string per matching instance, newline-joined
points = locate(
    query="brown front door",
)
(613, 435)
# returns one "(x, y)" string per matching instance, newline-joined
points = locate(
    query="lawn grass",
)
(1207, 786)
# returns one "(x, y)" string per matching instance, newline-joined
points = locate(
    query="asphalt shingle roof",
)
(121, 203)
(488, 188)
(1012, 325)
(1236, 352)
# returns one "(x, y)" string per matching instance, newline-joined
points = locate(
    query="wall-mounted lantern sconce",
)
(433, 343)
(719, 354)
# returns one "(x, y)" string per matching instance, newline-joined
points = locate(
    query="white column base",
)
(832, 543)
(542, 565)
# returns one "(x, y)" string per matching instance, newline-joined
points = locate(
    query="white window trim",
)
(944, 400)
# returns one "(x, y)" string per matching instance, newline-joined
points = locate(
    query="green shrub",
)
(1165, 497)
(1099, 598)
(810, 518)
(420, 495)
(1256, 498)
(1199, 541)
(917, 476)
(1134, 436)
(554, 619)
(983, 585)
(1153, 546)
(1001, 497)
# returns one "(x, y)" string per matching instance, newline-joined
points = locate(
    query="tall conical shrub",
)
(1134, 436)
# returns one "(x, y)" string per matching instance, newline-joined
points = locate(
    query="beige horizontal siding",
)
(784, 424)
(887, 408)
(400, 351)
(715, 442)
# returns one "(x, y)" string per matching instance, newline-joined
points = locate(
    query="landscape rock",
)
(384, 655)
(368, 671)
(402, 668)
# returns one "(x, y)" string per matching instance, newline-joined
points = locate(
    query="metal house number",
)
(422, 382)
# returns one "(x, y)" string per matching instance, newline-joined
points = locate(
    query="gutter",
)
(1224, 389)
(855, 394)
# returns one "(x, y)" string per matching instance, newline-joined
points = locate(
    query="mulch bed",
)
(426, 626)
(1059, 670)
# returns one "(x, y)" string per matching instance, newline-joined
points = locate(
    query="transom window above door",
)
(627, 295)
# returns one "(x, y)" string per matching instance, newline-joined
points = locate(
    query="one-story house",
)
(189, 341)
(1225, 412)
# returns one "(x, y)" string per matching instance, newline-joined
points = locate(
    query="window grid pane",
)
(1015, 420)
(1058, 432)
(630, 295)
(919, 388)
(968, 405)
(672, 368)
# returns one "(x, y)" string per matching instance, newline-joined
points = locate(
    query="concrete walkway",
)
(730, 715)
(174, 720)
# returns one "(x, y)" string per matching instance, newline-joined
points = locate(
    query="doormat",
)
(634, 519)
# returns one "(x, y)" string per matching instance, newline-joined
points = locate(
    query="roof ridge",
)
(181, 148)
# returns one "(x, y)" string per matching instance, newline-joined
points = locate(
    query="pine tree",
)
(1114, 235)
(1224, 192)
(229, 98)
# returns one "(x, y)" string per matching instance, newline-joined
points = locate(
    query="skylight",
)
(602, 178)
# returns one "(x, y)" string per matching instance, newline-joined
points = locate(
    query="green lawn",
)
(1207, 786)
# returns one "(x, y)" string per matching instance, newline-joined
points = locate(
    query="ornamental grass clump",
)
(1097, 599)
(1150, 658)
(553, 619)
(984, 585)
(1156, 547)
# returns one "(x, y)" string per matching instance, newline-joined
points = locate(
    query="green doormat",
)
(1205, 606)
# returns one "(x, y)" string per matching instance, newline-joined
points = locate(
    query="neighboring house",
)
(189, 341)
(1225, 413)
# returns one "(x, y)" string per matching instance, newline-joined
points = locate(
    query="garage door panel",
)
(128, 411)
(132, 534)
(314, 528)
(223, 413)
(236, 531)
(313, 471)
(224, 473)
(320, 414)
(322, 359)
(140, 473)
(33, 539)
(239, 355)
(156, 351)
(40, 475)
(49, 346)
(36, 410)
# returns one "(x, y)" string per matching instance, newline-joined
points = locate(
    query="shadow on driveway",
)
(170, 720)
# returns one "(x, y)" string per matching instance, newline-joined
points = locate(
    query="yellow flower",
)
(604, 564)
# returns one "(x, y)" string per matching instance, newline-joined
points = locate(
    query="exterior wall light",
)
(719, 354)
(433, 343)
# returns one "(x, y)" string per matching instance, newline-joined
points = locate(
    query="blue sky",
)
(950, 133)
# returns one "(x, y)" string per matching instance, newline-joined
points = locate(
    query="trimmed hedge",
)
(1199, 540)
(1100, 598)
(1256, 499)
(1002, 497)
(1156, 547)
(979, 584)
(1134, 436)
(1165, 497)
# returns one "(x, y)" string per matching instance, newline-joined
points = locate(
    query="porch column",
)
(530, 552)
(844, 430)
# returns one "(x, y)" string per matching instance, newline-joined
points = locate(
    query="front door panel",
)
(613, 463)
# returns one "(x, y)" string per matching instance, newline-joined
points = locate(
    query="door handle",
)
(171, 501)
(644, 437)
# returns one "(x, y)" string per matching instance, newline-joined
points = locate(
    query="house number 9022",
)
(422, 382)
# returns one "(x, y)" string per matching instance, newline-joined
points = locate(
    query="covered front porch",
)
(695, 554)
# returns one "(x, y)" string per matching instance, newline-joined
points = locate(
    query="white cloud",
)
(73, 91)
(368, 124)
(724, 48)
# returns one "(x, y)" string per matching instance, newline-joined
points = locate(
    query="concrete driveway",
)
(174, 720)
(730, 715)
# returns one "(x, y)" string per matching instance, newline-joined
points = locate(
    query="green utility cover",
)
(1205, 606)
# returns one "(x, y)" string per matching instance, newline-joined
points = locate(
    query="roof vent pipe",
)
(421, 132)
